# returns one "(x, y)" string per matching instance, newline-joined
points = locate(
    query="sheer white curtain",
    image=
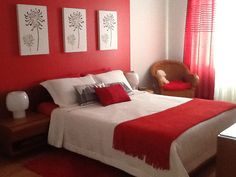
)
(225, 51)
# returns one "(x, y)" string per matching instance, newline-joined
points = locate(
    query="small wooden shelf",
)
(20, 135)
(150, 90)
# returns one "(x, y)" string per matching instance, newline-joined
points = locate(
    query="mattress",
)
(88, 130)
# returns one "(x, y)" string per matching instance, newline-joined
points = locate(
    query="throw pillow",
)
(112, 94)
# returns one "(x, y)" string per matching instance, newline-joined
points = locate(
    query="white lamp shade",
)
(133, 79)
(17, 102)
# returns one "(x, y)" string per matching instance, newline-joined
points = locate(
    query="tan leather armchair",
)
(175, 71)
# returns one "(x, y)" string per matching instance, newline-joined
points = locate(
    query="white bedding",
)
(89, 131)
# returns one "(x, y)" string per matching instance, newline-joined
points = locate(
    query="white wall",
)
(157, 32)
(148, 35)
(176, 27)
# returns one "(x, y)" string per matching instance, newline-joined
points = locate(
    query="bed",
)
(89, 129)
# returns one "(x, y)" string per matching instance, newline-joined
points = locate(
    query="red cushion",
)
(46, 108)
(98, 71)
(112, 94)
(177, 85)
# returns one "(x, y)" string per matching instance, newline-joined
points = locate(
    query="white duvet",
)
(89, 131)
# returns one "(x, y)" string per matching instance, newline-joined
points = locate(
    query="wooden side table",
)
(150, 90)
(226, 153)
(20, 135)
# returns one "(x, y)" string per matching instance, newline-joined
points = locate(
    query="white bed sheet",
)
(89, 131)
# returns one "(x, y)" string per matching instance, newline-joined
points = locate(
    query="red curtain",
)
(198, 47)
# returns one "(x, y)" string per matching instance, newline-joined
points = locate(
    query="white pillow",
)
(112, 77)
(63, 91)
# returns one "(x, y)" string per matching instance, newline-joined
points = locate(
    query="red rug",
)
(61, 163)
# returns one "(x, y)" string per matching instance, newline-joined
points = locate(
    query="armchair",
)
(173, 78)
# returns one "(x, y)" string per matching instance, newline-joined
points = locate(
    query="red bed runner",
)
(150, 137)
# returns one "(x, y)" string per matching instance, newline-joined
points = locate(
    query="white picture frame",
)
(108, 30)
(74, 30)
(32, 29)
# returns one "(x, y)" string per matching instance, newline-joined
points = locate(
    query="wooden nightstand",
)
(226, 153)
(20, 135)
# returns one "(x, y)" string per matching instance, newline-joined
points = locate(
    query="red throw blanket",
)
(149, 138)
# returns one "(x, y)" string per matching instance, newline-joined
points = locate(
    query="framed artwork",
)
(33, 29)
(108, 39)
(75, 30)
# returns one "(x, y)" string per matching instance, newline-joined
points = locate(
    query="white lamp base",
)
(19, 114)
(133, 79)
(17, 102)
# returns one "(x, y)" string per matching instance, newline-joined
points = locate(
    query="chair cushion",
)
(177, 85)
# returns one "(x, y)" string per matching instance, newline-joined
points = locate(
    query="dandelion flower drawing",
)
(71, 40)
(109, 23)
(76, 21)
(34, 19)
(28, 40)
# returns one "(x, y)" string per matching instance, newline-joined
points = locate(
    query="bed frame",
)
(38, 94)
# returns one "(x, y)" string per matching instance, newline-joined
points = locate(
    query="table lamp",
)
(17, 102)
(133, 79)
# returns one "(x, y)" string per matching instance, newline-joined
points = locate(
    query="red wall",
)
(19, 72)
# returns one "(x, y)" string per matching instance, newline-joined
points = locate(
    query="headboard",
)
(36, 94)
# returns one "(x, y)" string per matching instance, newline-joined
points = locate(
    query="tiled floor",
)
(13, 167)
